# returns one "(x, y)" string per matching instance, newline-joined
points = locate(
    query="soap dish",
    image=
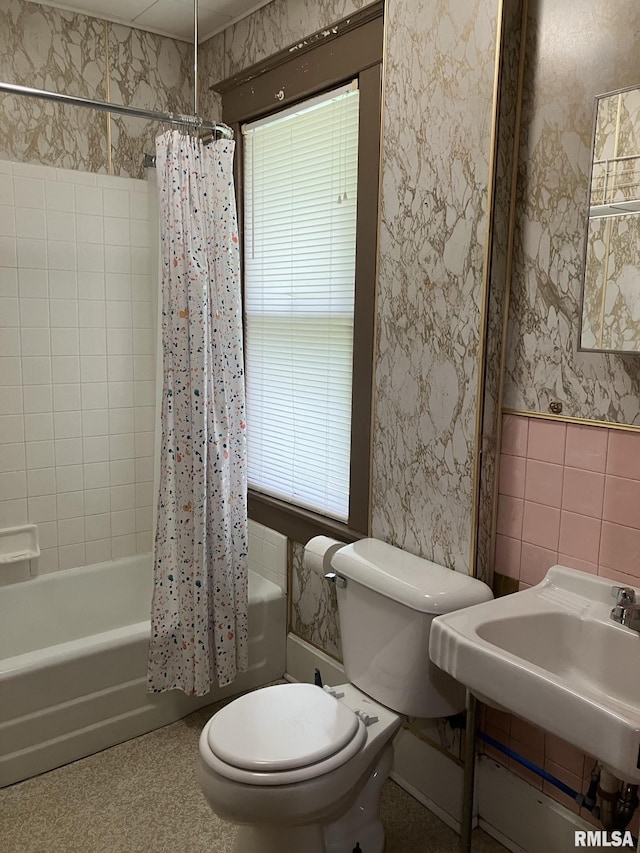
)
(19, 543)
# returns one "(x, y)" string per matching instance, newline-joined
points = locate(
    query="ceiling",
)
(173, 18)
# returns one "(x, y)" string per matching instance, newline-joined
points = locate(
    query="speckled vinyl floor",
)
(142, 797)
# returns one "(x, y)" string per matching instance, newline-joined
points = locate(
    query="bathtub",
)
(74, 650)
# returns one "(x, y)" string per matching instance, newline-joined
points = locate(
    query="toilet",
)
(300, 767)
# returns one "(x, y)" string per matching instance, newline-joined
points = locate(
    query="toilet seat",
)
(282, 734)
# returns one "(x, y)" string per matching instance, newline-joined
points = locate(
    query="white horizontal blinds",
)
(300, 234)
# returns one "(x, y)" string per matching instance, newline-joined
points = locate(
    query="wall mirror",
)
(611, 282)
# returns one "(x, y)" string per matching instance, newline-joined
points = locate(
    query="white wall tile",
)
(115, 203)
(13, 512)
(36, 370)
(119, 315)
(68, 451)
(120, 394)
(70, 505)
(38, 427)
(94, 395)
(95, 448)
(122, 472)
(91, 314)
(93, 342)
(140, 260)
(121, 446)
(42, 509)
(95, 422)
(48, 534)
(145, 443)
(90, 257)
(117, 232)
(11, 402)
(140, 235)
(63, 313)
(142, 314)
(98, 551)
(71, 556)
(33, 313)
(67, 424)
(8, 283)
(32, 284)
(63, 284)
(59, 196)
(97, 526)
(88, 200)
(37, 398)
(8, 252)
(64, 342)
(144, 494)
(96, 475)
(89, 229)
(123, 497)
(144, 543)
(40, 454)
(120, 368)
(121, 420)
(96, 501)
(7, 221)
(145, 417)
(61, 255)
(31, 253)
(123, 522)
(46, 563)
(123, 546)
(41, 481)
(144, 342)
(6, 189)
(66, 398)
(9, 316)
(144, 519)
(93, 368)
(119, 342)
(117, 259)
(69, 478)
(118, 286)
(13, 485)
(35, 341)
(29, 192)
(11, 429)
(10, 370)
(10, 342)
(30, 223)
(91, 285)
(61, 226)
(144, 469)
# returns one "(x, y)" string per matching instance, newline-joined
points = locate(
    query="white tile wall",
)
(77, 363)
(268, 554)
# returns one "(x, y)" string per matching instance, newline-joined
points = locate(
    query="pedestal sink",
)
(553, 656)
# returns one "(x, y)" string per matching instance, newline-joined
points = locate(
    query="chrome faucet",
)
(627, 611)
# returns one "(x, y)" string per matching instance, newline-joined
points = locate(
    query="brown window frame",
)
(351, 49)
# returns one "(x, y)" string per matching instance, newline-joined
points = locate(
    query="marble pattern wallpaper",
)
(314, 607)
(438, 90)
(49, 48)
(543, 362)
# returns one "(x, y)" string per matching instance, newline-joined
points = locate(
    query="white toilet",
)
(299, 767)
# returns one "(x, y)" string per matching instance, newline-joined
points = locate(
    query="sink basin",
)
(552, 655)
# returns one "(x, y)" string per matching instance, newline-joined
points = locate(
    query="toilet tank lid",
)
(413, 581)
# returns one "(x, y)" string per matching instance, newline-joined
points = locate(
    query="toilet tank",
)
(386, 608)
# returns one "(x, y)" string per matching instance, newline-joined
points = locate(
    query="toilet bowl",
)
(301, 768)
(299, 762)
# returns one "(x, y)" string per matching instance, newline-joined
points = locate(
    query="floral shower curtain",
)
(199, 611)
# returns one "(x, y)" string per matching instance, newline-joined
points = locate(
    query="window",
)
(300, 194)
(307, 186)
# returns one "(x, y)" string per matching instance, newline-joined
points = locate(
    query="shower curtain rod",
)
(191, 121)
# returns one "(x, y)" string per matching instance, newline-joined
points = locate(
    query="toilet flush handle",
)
(338, 580)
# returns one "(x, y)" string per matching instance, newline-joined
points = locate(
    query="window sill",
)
(296, 523)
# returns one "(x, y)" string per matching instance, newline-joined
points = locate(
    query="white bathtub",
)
(73, 648)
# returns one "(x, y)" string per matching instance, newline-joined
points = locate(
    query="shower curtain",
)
(199, 610)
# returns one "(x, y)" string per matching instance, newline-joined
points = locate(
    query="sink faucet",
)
(626, 611)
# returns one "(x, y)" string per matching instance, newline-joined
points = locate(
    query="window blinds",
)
(300, 183)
